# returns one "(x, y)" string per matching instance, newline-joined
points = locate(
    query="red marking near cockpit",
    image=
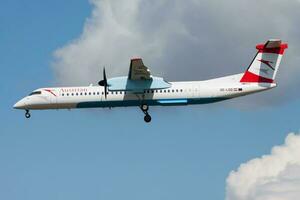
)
(50, 91)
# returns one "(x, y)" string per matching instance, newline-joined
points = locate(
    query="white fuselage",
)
(180, 93)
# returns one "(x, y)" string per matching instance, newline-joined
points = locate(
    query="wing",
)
(138, 71)
(138, 80)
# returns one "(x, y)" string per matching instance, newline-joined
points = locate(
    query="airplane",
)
(141, 89)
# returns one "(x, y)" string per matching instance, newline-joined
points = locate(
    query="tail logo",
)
(266, 62)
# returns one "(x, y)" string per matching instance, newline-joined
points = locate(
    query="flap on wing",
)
(138, 71)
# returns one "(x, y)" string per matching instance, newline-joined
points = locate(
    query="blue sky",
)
(185, 153)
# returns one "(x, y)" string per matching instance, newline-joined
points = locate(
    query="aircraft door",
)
(196, 91)
(52, 98)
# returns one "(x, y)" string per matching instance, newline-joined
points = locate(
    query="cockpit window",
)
(35, 93)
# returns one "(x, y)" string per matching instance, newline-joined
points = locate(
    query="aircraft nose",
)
(20, 104)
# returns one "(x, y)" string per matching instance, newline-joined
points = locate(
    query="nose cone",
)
(20, 104)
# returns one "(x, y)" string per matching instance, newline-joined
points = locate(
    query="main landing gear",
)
(145, 109)
(27, 114)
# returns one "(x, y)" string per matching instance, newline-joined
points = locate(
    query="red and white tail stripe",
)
(264, 66)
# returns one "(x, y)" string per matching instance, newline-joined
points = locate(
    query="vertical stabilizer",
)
(265, 65)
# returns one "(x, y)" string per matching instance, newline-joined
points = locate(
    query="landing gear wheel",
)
(27, 114)
(145, 107)
(147, 118)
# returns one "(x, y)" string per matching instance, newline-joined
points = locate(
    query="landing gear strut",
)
(145, 109)
(27, 114)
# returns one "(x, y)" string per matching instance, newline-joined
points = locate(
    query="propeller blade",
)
(104, 75)
(105, 91)
(104, 83)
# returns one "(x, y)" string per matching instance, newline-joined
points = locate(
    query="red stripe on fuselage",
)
(253, 78)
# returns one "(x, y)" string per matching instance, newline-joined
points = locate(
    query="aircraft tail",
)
(264, 66)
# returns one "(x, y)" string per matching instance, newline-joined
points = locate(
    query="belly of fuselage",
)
(159, 102)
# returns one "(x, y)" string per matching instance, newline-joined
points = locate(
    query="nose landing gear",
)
(145, 109)
(27, 114)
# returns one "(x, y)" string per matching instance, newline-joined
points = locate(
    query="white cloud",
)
(271, 177)
(112, 35)
(182, 40)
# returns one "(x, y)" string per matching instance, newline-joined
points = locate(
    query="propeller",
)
(104, 83)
